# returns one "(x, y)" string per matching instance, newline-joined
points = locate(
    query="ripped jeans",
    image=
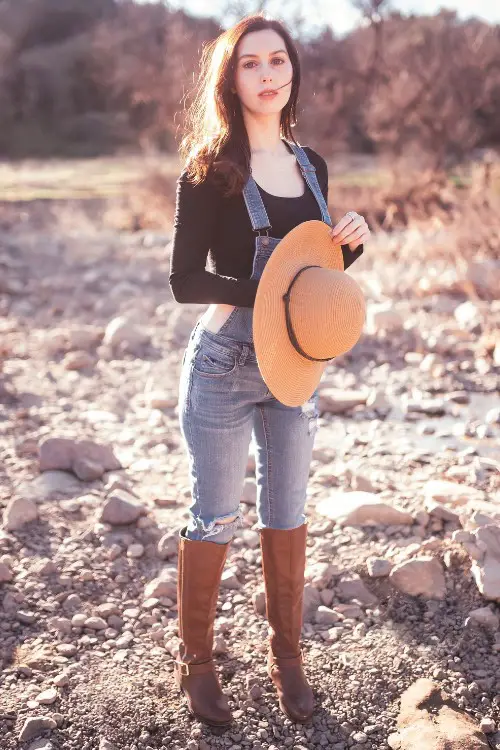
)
(223, 403)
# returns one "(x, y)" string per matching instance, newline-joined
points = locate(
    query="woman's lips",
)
(268, 95)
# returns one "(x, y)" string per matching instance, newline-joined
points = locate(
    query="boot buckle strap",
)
(280, 662)
(183, 668)
(186, 669)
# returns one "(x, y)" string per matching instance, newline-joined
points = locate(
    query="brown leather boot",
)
(200, 567)
(283, 563)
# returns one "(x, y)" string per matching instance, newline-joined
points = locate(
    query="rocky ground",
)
(402, 604)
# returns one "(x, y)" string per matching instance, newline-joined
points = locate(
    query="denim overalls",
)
(223, 401)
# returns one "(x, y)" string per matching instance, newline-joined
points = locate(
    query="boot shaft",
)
(283, 564)
(200, 568)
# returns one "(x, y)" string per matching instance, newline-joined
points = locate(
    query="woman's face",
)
(262, 63)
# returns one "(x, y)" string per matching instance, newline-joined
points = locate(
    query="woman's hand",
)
(351, 230)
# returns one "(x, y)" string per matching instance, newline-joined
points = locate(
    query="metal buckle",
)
(265, 238)
(183, 666)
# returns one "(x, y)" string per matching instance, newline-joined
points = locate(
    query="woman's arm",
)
(322, 174)
(195, 221)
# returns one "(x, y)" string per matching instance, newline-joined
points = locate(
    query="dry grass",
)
(455, 217)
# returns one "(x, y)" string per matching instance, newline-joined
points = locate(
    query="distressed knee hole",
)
(311, 413)
(222, 525)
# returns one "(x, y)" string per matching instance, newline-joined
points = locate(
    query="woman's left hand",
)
(351, 230)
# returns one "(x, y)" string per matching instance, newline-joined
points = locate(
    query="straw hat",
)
(326, 312)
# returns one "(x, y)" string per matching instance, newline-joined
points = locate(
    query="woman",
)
(244, 175)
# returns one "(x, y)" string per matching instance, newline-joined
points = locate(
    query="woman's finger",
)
(344, 222)
(355, 235)
(349, 230)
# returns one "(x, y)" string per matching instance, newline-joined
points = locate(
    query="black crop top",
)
(208, 224)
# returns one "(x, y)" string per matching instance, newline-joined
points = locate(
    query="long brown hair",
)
(216, 145)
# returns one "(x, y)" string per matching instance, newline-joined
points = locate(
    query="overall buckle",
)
(265, 238)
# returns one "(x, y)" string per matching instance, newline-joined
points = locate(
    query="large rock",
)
(454, 493)
(20, 510)
(420, 576)
(85, 458)
(483, 545)
(165, 585)
(35, 725)
(339, 400)
(361, 508)
(121, 508)
(122, 332)
(439, 510)
(48, 485)
(484, 616)
(430, 720)
(353, 587)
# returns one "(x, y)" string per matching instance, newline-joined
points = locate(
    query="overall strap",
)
(309, 173)
(255, 206)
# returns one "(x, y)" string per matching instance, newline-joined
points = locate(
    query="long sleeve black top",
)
(209, 225)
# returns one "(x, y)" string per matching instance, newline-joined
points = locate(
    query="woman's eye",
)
(278, 59)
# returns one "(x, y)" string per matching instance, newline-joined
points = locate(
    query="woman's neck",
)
(264, 137)
(277, 150)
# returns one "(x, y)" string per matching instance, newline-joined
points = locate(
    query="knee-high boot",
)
(283, 563)
(200, 567)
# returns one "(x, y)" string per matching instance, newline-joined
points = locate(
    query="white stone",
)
(47, 696)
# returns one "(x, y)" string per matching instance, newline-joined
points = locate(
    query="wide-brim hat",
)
(307, 311)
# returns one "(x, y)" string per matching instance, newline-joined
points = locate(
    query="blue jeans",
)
(223, 400)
